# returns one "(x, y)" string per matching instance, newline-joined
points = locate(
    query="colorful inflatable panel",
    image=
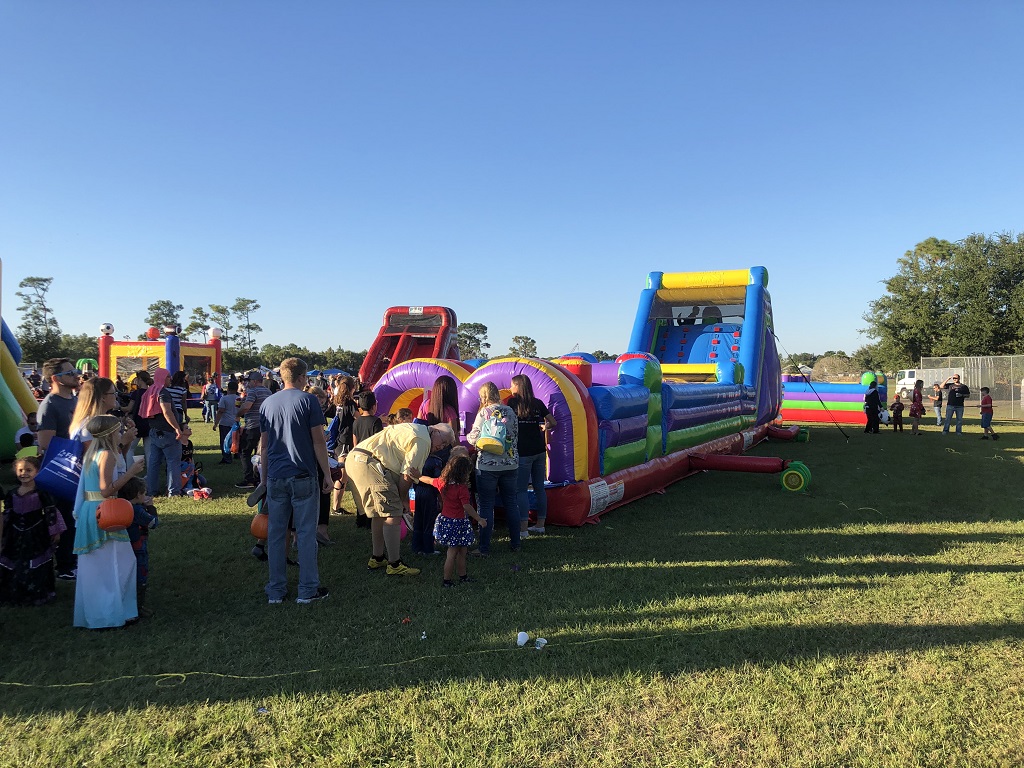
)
(623, 436)
(16, 398)
(819, 402)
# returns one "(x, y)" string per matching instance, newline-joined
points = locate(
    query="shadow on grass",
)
(665, 606)
(568, 656)
(723, 570)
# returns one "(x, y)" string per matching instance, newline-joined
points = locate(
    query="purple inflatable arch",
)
(545, 388)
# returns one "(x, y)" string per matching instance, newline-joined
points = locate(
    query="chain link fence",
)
(1004, 376)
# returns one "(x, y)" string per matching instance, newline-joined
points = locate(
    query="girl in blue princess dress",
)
(105, 590)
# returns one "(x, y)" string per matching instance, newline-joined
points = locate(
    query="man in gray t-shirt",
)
(54, 416)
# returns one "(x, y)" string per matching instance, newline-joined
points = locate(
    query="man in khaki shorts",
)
(383, 468)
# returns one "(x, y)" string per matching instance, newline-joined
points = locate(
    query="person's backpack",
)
(494, 434)
(212, 393)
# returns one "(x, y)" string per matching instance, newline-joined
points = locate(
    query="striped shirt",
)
(255, 394)
(177, 395)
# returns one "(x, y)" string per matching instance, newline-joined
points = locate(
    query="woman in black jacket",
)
(872, 405)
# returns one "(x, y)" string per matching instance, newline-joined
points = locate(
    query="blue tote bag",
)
(62, 468)
(226, 447)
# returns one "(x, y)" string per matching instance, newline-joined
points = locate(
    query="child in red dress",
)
(452, 527)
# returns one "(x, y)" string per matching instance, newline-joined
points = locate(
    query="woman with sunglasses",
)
(55, 413)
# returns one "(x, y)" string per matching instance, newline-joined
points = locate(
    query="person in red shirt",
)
(986, 415)
(897, 413)
(452, 527)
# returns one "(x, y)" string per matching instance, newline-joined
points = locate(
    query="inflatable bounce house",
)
(16, 398)
(408, 333)
(820, 402)
(699, 385)
(124, 358)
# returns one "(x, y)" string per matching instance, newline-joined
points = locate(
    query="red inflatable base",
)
(778, 432)
(587, 500)
(823, 417)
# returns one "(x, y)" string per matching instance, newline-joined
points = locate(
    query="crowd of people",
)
(952, 391)
(300, 445)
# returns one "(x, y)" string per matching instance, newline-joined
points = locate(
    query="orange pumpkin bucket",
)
(258, 528)
(114, 514)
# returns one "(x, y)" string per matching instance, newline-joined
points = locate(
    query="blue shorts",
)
(986, 420)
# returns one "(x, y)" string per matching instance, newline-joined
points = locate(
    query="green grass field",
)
(874, 620)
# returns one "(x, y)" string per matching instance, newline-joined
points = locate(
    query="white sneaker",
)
(536, 529)
(524, 534)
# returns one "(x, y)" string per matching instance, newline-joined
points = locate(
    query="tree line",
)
(473, 344)
(950, 300)
(41, 338)
(947, 299)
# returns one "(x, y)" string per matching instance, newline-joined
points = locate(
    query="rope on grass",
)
(860, 509)
(163, 679)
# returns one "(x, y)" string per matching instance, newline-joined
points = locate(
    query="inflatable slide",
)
(408, 333)
(686, 397)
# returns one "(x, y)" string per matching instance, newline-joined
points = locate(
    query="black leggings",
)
(224, 429)
(325, 499)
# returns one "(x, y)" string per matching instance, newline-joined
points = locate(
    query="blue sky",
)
(525, 163)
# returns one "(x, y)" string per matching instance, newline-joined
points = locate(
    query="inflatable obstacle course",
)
(630, 428)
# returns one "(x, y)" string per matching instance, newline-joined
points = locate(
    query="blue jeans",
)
(938, 416)
(533, 471)
(163, 447)
(488, 484)
(297, 498)
(951, 411)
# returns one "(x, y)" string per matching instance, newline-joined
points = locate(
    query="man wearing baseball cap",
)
(255, 394)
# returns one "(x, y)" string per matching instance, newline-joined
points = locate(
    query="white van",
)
(905, 380)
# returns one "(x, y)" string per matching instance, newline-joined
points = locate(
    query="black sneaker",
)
(257, 495)
(259, 552)
(321, 594)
